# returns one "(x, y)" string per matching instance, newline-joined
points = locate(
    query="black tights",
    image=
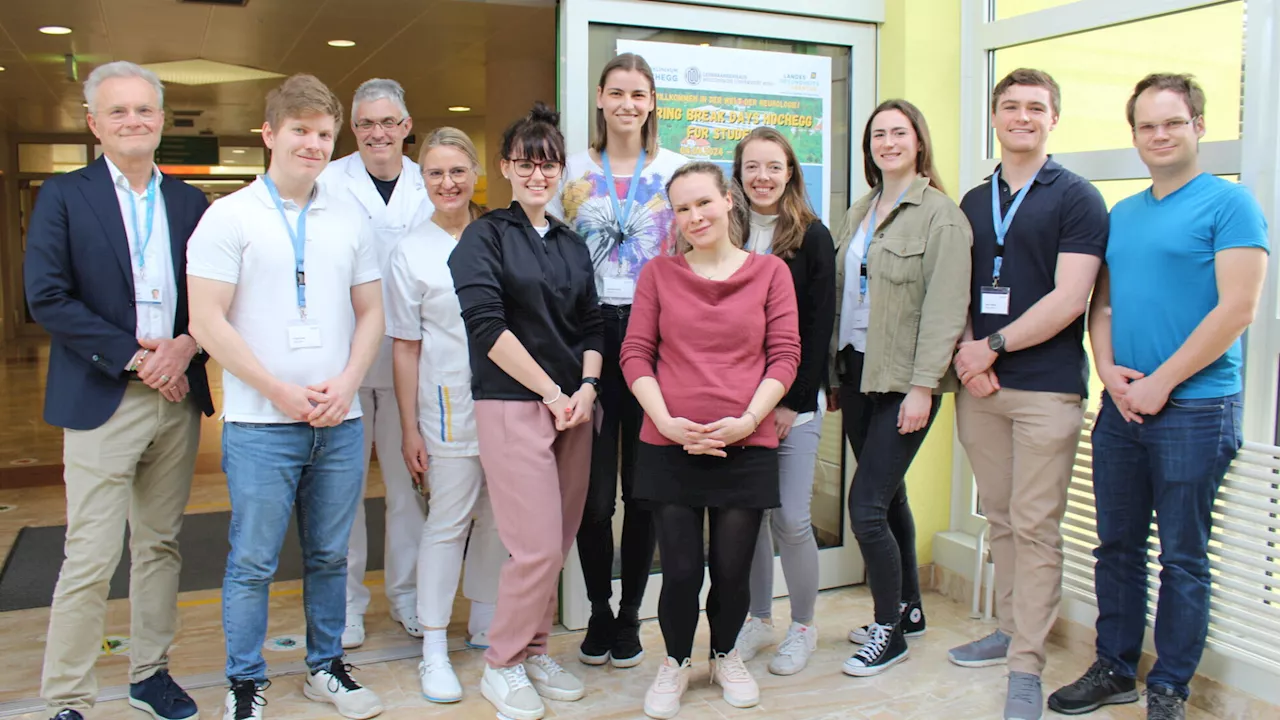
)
(733, 542)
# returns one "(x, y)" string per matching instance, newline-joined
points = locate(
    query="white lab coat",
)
(390, 221)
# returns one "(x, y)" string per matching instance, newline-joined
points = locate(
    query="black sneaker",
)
(913, 624)
(886, 646)
(68, 714)
(1100, 685)
(627, 650)
(1165, 704)
(601, 631)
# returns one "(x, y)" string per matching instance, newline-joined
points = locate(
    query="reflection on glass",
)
(1098, 69)
(51, 157)
(1009, 8)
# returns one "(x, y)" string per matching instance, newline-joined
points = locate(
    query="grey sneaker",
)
(985, 652)
(1164, 704)
(1025, 700)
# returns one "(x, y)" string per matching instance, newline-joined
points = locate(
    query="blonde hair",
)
(454, 138)
(739, 214)
(300, 96)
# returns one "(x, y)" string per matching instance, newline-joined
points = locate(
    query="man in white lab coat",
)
(389, 187)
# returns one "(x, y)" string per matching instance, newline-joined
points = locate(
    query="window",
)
(51, 157)
(1010, 8)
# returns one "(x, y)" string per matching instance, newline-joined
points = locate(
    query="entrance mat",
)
(31, 570)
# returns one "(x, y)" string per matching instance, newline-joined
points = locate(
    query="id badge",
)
(149, 294)
(616, 288)
(995, 301)
(304, 334)
(861, 317)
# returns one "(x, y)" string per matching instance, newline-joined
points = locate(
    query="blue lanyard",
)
(871, 231)
(299, 238)
(141, 239)
(618, 209)
(1002, 224)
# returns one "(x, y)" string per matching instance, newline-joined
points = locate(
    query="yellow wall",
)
(920, 62)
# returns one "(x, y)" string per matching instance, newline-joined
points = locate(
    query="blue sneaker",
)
(162, 698)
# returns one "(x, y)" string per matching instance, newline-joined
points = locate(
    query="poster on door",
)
(709, 98)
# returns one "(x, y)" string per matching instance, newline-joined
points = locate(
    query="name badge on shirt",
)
(995, 301)
(619, 287)
(304, 334)
(861, 317)
(149, 294)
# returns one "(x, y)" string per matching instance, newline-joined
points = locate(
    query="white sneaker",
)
(552, 681)
(353, 633)
(408, 621)
(731, 674)
(793, 654)
(244, 701)
(335, 686)
(511, 693)
(663, 698)
(479, 641)
(439, 683)
(754, 636)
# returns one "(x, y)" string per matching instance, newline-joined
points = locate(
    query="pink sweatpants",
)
(538, 486)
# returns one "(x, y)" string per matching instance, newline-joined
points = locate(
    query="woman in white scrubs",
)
(437, 420)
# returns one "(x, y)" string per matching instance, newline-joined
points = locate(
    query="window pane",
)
(51, 157)
(1009, 8)
(1098, 69)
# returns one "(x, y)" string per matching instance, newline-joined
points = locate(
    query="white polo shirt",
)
(242, 240)
(422, 305)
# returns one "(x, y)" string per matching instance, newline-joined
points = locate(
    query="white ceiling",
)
(435, 48)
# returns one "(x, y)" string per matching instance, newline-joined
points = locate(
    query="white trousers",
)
(406, 511)
(458, 496)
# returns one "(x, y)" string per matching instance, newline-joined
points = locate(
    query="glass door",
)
(719, 73)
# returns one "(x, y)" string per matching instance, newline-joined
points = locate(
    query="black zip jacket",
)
(813, 268)
(541, 289)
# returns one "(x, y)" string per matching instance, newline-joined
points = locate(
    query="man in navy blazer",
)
(105, 275)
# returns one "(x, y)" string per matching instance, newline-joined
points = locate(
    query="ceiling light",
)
(255, 130)
(705, 44)
(55, 30)
(238, 151)
(84, 105)
(459, 108)
(1, 68)
(342, 43)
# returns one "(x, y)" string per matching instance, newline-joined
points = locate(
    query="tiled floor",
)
(925, 687)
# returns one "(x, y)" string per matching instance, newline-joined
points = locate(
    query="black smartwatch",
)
(592, 381)
(995, 341)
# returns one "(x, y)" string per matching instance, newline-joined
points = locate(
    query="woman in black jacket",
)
(527, 290)
(782, 224)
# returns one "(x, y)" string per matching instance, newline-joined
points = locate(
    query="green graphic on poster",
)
(708, 126)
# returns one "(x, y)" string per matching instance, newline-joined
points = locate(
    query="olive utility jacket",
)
(919, 266)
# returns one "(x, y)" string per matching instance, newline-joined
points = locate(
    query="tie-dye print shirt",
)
(618, 254)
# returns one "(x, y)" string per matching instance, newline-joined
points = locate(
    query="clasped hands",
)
(570, 411)
(162, 365)
(711, 439)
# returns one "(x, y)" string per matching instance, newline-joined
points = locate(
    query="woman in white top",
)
(614, 195)
(437, 420)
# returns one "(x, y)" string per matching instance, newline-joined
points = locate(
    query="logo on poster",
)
(693, 75)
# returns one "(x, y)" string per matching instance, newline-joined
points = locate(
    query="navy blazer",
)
(79, 281)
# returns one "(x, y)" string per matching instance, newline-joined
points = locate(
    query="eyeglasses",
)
(387, 124)
(1170, 126)
(524, 168)
(458, 175)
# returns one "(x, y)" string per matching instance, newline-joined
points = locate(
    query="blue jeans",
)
(1171, 464)
(271, 469)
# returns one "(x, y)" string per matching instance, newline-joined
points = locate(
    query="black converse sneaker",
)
(913, 624)
(1100, 685)
(886, 646)
(602, 629)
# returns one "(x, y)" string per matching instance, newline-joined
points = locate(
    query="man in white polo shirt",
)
(285, 295)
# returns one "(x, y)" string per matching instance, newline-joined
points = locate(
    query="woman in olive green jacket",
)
(899, 314)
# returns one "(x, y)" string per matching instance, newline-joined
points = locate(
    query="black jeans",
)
(619, 434)
(878, 509)
(732, 546)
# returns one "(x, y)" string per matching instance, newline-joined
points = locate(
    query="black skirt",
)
(747, 478)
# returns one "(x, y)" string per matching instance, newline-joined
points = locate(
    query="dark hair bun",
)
(542, 113)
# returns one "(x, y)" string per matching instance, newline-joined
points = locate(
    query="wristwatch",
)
(995, 341)
(594, 382)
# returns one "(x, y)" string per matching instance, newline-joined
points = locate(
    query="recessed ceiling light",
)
(255, 130)
(459, 108)
(55, 30)
(342, 43)
(238, 151)
(1, 68)
(84, 105)
(705, 44)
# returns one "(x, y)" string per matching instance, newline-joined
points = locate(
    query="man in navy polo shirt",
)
(1185, 267)
(1039, 235)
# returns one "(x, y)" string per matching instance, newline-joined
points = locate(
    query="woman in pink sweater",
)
(712, 346)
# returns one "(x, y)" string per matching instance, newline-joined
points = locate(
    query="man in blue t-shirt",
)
(1184, 270)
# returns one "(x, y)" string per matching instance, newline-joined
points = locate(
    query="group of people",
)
(635, 316)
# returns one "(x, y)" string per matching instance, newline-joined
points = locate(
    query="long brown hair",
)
(648, 131)
(738, 214)
(794, 214)
(460, 141)
(924, 151)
